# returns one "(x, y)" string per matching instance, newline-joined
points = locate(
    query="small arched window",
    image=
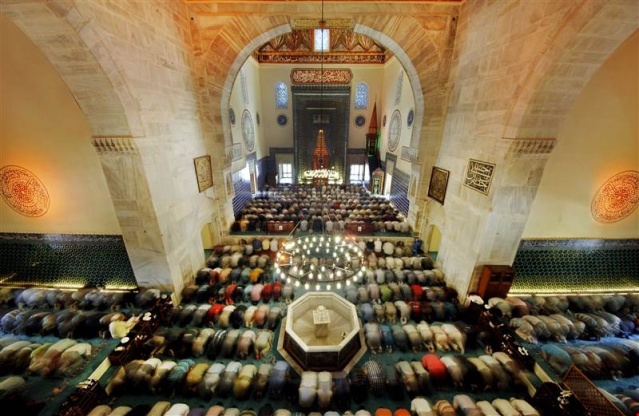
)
(361, 96)
(281, 95)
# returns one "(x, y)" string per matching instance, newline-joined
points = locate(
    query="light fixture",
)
(320, 174)
(320, 261)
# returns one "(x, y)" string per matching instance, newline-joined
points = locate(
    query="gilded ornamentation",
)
(329, 23)
(438, 184)
(203, 172)
(617, 198)
(345, 47)
(23, 191)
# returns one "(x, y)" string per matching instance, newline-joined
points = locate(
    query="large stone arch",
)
(580, 48)
(426, 63)
(529, 93)
(425, 54)
(411, 73)
(234, 69)
(74, 46)
(78, 48)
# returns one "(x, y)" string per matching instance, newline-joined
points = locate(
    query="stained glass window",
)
(361, 96)
(281, 95)
(322, 40)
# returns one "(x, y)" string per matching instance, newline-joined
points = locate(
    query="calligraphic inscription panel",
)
(479, 175)
(317, 76)
(233, 152)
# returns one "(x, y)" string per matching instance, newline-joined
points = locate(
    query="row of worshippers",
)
(328, 209)
(317, 223)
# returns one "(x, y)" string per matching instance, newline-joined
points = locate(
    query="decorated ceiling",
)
(346, 47)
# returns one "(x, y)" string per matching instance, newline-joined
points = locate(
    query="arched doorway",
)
(434, 241)
(206, 234)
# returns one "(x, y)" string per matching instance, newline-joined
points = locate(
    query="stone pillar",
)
(494, 223)
(125, 177)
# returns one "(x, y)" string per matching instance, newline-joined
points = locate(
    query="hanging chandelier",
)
(320, 262)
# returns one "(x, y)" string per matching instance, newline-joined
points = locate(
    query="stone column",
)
(125, 177)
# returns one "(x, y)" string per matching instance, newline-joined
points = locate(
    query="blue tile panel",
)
(262, 166)
(243, 194)
(576, 265)
(399, 191)
(47, 259)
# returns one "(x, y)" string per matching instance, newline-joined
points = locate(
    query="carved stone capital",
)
(528, 148)
(123, 144)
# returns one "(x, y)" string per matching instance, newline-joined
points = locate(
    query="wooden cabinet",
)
(495, 281)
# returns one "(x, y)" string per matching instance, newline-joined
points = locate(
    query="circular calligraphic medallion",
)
(248, 131)
(617, 198)
(360, 121)
(394, 130)
(23, 191)
(410, 118)
(282, 120)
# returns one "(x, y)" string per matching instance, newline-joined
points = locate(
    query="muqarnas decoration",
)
(23, 191)
(617, 198)
(479, 175)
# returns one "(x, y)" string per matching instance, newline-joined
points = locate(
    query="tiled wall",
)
(264, 168)
(399, 191)
(242, 189)
(78, 259)
(576, 265)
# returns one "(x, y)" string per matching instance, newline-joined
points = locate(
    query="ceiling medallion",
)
(617, 198)
(23, 191)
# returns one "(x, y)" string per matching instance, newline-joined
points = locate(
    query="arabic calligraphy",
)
(233, 152)
(617, 198)
(479, 175)
(409, 154)
(316, 76)
(23, 191)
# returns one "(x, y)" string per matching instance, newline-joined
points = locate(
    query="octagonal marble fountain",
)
(322, 333)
